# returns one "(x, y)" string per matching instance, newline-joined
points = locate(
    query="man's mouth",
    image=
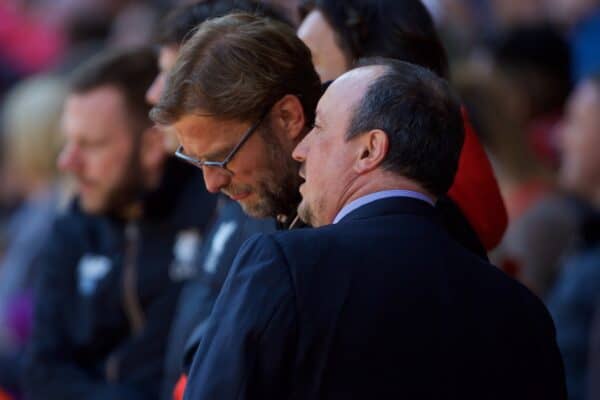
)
(83, 185)
(301, 172)
(237, 196)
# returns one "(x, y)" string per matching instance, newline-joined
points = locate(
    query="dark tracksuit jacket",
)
(229, 231)
(108, 292)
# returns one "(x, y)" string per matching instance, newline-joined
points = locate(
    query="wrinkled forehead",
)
(201, 133)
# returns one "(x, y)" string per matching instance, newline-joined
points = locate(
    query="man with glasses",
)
(240, 97)
(231, 226)
(220, 164)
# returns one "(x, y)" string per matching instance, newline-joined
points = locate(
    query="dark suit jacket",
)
(383, 305)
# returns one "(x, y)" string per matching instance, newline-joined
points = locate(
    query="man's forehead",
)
(204, 133)
(349, 88)
(106, 98)
(96, 109)
(202, 124)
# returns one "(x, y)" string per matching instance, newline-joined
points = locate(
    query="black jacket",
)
(108, 293)
(383, 305)
(230, 230)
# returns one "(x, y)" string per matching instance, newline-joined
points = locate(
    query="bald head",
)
(421, 117)
(347, 92)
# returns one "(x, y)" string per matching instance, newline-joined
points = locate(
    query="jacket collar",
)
(392, 206)
(166, 199)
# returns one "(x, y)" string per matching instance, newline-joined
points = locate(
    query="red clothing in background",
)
(476, 192)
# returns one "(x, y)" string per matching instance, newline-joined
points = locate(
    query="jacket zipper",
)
(131, 300)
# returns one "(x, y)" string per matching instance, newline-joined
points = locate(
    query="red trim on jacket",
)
(180, 387)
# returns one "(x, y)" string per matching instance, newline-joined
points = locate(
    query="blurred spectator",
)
(516, 103)
(339, 33)
(113, 270)
(289, 8)
(575, 298)
(535, 59)
(231, 227)
(133, 26)
(28, 43)
(542, 225)
(497, 105)
(31, 122)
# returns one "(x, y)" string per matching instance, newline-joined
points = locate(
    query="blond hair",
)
(31, 125)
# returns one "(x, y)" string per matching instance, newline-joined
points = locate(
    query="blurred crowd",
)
(528, 75)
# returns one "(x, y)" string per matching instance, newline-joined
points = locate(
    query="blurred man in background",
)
(576, 296)
(31, 122)
(113, 270)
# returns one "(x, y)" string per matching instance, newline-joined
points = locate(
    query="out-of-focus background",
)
(515, 63)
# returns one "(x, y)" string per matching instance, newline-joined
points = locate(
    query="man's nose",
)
(154, 92)
(215, 180)
(68, 159)
(299, 153)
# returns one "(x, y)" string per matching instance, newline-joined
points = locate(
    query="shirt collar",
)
(384, 194)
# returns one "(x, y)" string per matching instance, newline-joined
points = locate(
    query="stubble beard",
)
(126, 191)
(277, 193)
(305, 213)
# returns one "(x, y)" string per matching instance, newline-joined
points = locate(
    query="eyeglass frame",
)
(222, 164)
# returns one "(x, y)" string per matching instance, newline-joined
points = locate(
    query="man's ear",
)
(288, 115)
(153, 149)
(372, 149)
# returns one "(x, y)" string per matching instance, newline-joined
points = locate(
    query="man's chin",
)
(257, 207)
(305, 213)
(91, 206)
(253, 209)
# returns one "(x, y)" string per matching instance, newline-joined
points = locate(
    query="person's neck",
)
(131, 211)
(135, 208)
(368, 184)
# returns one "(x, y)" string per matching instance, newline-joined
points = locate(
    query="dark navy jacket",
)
(383, 305)
(108, 293)
(230, 230)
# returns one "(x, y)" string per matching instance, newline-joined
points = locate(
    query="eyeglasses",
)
(222, 164)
